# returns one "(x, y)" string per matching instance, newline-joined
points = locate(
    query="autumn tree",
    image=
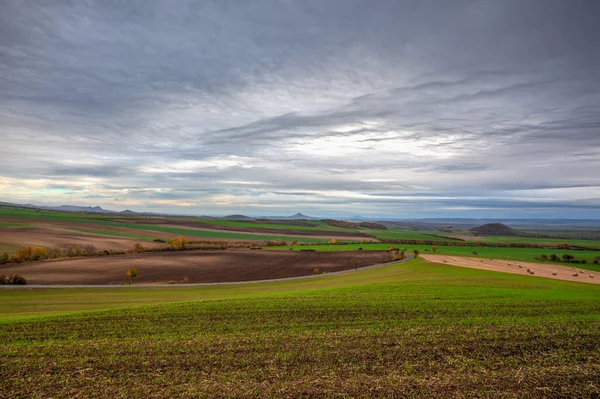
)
(132, 274)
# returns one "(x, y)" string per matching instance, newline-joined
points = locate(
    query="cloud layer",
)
(384, 108)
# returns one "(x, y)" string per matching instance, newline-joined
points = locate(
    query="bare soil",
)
(507, 266)
(49, 236)
(197, 266)
(256, 230)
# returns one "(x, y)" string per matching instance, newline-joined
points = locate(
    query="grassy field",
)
(115, 233)
(318, 225)
(541, 241)
(407, 234)
(520, 254)
(11, 224)
(411, 330)
(100, 220)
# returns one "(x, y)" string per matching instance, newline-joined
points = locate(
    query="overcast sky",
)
(331, 108)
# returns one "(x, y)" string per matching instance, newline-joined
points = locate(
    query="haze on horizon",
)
(339, 107)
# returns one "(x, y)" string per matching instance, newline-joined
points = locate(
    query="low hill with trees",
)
(495, 229)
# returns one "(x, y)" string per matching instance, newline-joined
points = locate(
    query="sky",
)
(384, 109)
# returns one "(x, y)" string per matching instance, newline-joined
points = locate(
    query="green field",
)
(319, 225)
(520, 254)
(411, 330)
(116, 233)
(11, 224)
(407, 234)
(99, 220)
(541, 241)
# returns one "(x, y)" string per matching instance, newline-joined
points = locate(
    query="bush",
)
(3, 279)
(132, 274)
(16, 279)
(316, 270)
(5, 258)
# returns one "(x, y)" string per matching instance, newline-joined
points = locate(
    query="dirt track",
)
(508, 266)
(197, 266)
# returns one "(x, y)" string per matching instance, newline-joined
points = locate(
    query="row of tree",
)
(567, 258)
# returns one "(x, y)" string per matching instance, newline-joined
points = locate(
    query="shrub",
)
(568, 258)
(596, 260)
(178, 243)
(316, 270)
(3, 279)
(5, 258)
(171, 281)
(416, 253)
(16, 279)
(185, 280)
(132, 274)
(137, 248)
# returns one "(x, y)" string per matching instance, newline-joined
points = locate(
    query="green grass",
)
(206, 234)
(411, 330)
(116, 233)
(99, 220)
(407, 234)
(319, 226)
(519, 254)
(541, 241)
(11, 224)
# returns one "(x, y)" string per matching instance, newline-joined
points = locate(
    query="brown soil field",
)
(50, 236)
(197, 266)
(253, 230)
(193, 226)
(507, 266)
(282, 233)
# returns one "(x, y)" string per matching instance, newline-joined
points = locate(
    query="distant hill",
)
(494, 229)
(237, 217)
(128, 212)
(353, 225)
(299, 216)
(73, 208)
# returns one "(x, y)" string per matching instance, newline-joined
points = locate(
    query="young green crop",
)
(411, 330)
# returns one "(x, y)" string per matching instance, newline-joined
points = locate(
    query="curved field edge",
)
(411, 330)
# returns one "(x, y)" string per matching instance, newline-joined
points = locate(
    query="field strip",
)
(32, 286)
(558, 272)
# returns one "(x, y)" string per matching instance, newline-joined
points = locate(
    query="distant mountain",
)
(299, 216)
(128, 212)
(494, 229)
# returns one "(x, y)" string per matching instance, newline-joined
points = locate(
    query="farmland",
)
(413, 329)
(408, 329)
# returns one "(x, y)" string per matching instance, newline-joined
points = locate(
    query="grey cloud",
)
(444, 99)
